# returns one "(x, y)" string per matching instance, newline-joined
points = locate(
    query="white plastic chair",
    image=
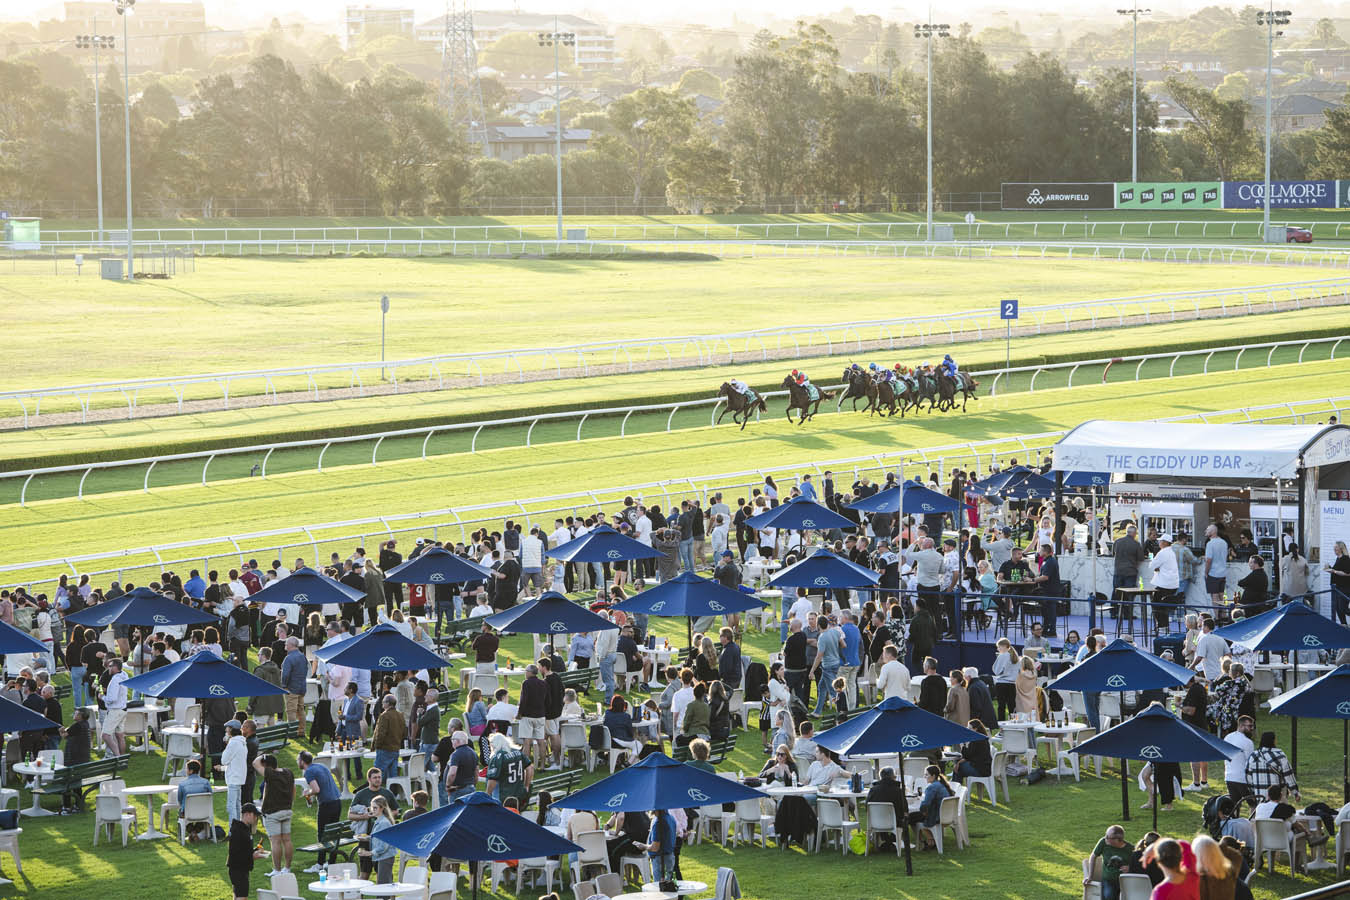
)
(9, 843)
(948, 817)
(573, 736)
(1342, 845)
(881, 820)
(609, 748)
(170, 802)
(414, 770)
(830, 819)
(53, 758)
(137, 724)
(998, 774)
(594, 853)
(116, 787)
(1108, 709)
(1263, 681)
(1135, 887)
(609, 884)
(714, 816)
(748, 818)
(915, 767)
(626, 680)
(178, 750)
(441, 886)
(108, 814)
(583, 890)
(642, 863)
(6, 795)
(1273, 838)
(541, 865)
(485, 683)
(1016, 743)
(200, 808)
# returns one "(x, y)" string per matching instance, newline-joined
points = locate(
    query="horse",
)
(879, 394)
(739, 405)
(926, 389)
(856, 380)
(949, 386)
(799, 399)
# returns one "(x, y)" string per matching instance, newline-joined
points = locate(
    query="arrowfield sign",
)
(1051, 195)
(1283, 194)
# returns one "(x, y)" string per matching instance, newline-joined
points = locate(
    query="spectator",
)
(976, 759)
(1115, 855)
(322, 789)
(239, 861)
(1210, 650)
(957, 707)
(936, 790)
(294, 669)
(391, 729)
(1268, 766)
(509, 773)
(1235, 769)
(278, 798)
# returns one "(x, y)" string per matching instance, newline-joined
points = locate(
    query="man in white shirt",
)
(893, 680)
(1000, 550)
(1235, 769)
(502, 711)
(681, 699)
(281, 570)
(801, 608)
(532, 564)
(115, 699)
(1166, 580)
(606, 653)
(234, 763)
(1210, 650)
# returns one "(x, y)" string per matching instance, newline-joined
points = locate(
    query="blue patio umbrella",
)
(203, 674)
(800, 514)
(691, 596)
(658, 782)
(992, 484)
(601, 545)
(17, 717)
(12, 640)
(142, 607)
(437, 566)
(824, 569)
(475, 829)
(1155, 735)
(551, 614)
(1293, 626)
(1327, 697)
(382, 648)
(1121, 666)
(894, 725)
(1086, 479)
(917, 499)
(1029, 486)
(306, 587)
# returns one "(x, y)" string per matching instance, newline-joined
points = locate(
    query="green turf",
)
(1027, 850)
(61, 528)
(142, 438)
(234, 315)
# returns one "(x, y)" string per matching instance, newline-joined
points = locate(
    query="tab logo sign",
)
(1168, 195)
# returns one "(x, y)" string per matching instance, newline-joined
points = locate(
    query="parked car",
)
(1297, 236)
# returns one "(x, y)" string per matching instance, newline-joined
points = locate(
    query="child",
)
(764, 718)
(555, 578)
(840, 698)
(571, 708)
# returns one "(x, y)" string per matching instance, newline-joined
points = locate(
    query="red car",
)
(1297, 236)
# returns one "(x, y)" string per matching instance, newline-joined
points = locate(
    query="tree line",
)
(793, 121)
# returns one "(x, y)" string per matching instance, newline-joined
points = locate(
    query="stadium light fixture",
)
(125, 9)
(927, 31)
(557, 40)
(97, 42)
(1271, 18)
(1134, 12)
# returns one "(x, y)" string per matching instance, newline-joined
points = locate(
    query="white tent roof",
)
(1214, 451)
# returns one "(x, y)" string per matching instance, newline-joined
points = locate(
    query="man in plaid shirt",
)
(1268, 765)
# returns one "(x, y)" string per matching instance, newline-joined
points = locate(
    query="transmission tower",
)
(461, 91)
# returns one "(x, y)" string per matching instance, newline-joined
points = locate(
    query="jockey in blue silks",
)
(949, 366)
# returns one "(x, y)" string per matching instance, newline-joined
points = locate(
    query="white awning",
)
(1203, 451)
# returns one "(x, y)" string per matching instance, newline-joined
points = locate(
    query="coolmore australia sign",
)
(1283, 194)
(1066, 195)
(1168, 195)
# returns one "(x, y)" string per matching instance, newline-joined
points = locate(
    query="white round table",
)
(39, 774)
(682, 888)
(396, 889)
(339, 767)
(340, 887)
(149, 791)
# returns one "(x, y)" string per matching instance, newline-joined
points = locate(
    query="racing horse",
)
(949, 387)
(925, 389)
(800, 399)
(739, 405)
(880, 394)
(857, 380)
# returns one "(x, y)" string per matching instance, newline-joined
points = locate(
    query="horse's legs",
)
(723, 413)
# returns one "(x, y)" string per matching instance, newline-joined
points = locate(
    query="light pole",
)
(85, 42)
(928, 31)
(1269, 19)
(124, 8)
(1134, 12)
(557, 39)
(384, 312)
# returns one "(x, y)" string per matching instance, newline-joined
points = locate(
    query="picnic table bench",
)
(333, 839)
(717, 750)
(580, 680)
(558, 784)
(272, 738)
(81, 779)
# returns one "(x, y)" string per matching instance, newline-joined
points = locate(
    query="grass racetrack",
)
(233, 314)
(115, 521)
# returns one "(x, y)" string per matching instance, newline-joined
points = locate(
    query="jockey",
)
(872, 367)
(739, 386)
(949, 366)
(801, 378)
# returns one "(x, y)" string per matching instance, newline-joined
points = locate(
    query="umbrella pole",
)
(909, 857)
(1345, 757)
(1155, 798)
(1124, 792)
(1293, 722)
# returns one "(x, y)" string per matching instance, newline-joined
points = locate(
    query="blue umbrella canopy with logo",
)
(1293, 626)
(824, 569)
(17, 717)
(917, 499)
(801, 514)
(12, 640)
(603, 544)
(382, 648)
(1121, 666)
(1327, 697)
(658, 782)
(437, 566)
(1155, 735)
(306, 587)
(475, 829)
(551, 614)
(893, 725)
(690, 596)
(142, 607)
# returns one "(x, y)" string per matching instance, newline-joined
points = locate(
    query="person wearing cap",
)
(242, 853)
(234, 766)
(1166, 580)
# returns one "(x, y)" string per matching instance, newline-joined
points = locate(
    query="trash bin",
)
(576, 234)
(111, 269)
